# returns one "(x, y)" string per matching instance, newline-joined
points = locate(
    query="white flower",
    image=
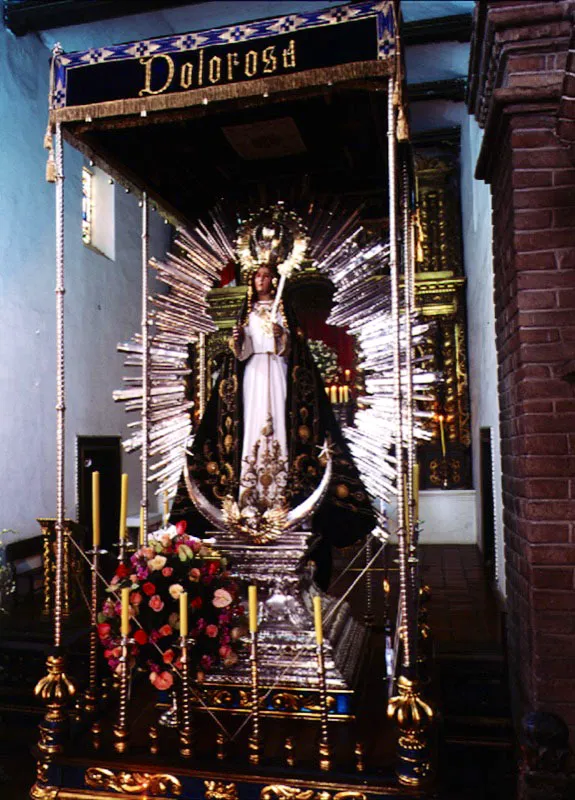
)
(222, 598)
(157, 562)
(175, 590)
(169, 531)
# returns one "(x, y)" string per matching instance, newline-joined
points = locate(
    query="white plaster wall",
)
(446, 517)
(477, 247)
(102, 302)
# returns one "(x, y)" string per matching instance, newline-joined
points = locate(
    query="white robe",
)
(264, 386)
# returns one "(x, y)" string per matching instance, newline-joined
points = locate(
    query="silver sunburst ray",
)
(178, 316)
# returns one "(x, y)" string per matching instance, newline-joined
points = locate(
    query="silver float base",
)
(287, 658)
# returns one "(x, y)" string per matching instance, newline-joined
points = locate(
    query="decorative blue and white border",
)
(383, 9)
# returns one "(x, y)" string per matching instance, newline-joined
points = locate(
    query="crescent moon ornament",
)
(251, 523)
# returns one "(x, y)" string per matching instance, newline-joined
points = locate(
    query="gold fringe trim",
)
(232, 91)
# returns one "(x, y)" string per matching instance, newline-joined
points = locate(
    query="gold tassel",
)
(51, 167)
(402, 126)
(48, 138)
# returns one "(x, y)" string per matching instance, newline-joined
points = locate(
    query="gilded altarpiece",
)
(440, 298)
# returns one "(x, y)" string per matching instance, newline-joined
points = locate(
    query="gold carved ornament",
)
(280, 791)
(412, 712)
(219, 790)
(159, 784)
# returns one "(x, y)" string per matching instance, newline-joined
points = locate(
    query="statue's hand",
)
(238, 335)
(277, 329)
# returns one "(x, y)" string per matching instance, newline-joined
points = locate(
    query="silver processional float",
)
(373, 300)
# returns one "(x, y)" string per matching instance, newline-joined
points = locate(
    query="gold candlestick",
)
(91, 695)
(185, 732)
(254, 740)
(121, 728)
(324, 750)
(186, 715)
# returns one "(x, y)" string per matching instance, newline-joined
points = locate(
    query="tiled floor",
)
(463, 609)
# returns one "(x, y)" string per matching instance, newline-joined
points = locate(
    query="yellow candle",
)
(442, 431)
(184, 614)
(166, 509)
(96, 510)
(327, 391)
(124, 507)
(253, 608)
(125, 626)
(416, 491)
(334, 394)
(142, 524)
(346, 394)
(317, 619)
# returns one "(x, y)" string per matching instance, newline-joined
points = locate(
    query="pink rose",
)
(156, 603)
(167, 571)
(225, 650)
(161, 680)
(147, 552)
(222, 598)
(212, 631)
(194, 574)
(136, 598)
(168, 656)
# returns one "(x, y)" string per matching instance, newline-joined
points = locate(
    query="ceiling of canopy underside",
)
(327, 144)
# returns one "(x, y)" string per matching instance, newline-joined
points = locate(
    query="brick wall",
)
(532, 178)
(534, 257)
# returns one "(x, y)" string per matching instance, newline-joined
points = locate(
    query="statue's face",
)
(263, 281)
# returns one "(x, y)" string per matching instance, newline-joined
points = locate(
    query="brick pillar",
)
(518, 61)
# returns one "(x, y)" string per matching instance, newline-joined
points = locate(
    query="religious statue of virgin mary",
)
(260, 448)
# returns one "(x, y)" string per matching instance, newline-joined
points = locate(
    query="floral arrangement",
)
(174, 562)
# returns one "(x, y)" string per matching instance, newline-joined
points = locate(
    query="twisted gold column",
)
(55, 689)
(324, 748)
(91, 695)
(121, 728)
(254, 740)
(185, 732)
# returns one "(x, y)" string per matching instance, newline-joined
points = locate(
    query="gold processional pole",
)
(144, 502)
(413, 715)
(55, 689)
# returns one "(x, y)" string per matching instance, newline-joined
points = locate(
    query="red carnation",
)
(165, 630)
(122, 570)
(196, 602)
(141, 637)
(181, 527)
(149, 588)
